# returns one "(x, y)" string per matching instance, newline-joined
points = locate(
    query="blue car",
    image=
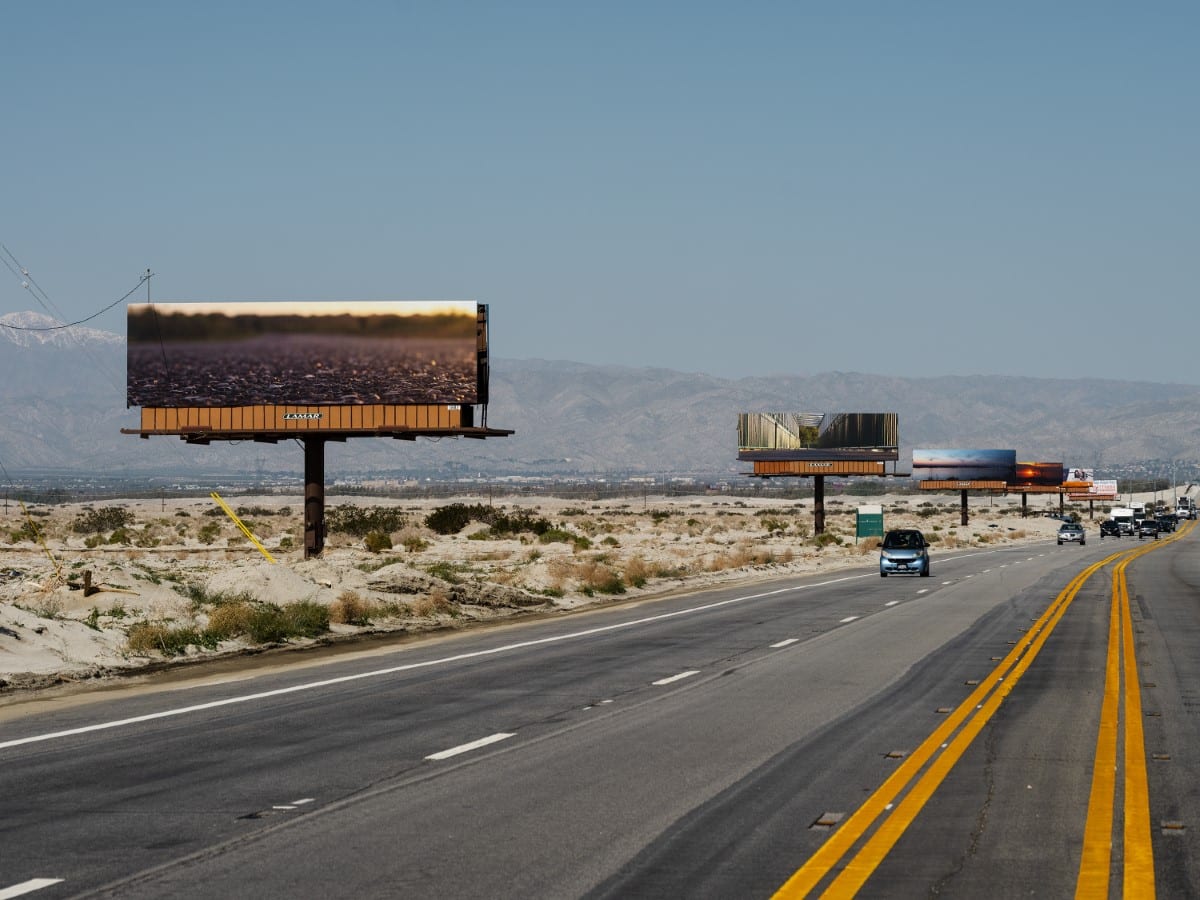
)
(904, 551)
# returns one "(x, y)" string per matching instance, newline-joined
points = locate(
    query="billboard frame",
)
(314, 425)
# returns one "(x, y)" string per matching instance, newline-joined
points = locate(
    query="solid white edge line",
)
(679, 677)
(391, 670)
(785, 643)
(474, 745)
(26, 887)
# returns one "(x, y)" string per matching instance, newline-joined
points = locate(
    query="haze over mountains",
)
(62, 397)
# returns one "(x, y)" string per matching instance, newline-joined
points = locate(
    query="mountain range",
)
(62, 396)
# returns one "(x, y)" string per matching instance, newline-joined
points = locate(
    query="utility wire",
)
(141, 281)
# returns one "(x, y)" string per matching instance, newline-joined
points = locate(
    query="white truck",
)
(1123, 516)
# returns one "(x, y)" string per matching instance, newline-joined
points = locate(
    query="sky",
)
(911, 189)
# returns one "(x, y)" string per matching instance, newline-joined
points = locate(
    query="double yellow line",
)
(971, 716)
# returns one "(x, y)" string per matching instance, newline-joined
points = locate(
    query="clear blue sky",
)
(740, 189)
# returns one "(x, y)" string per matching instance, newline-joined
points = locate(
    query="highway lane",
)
(773, 705)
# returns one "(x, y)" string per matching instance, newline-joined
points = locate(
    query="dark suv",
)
(1109, 528)
(1148, 528)
(904, 550)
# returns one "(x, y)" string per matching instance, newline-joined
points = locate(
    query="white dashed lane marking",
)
(784, 643)
(467, 748)
(679, 677)
(27, 887)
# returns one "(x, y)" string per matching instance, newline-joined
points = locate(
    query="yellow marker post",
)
(240, 524)
(41, 540)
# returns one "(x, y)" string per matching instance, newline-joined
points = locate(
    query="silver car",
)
(1071, 531)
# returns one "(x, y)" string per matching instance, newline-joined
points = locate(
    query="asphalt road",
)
(897, 737)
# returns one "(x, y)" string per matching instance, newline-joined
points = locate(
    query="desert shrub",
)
(107, 518)
(27, 532)
(412, 541)
(229, 620)
(446, 571)
(265, 623)
(360, 521)
(611, 541)
(377, 541)
(244, 511)
(350, 609)
(595, 577)
(433, 604)
(146, 637)
(825, 538)
(454, 518)
(556, 535)
(306, 618)
(208, 532)
(637, 572)
(286, 542)
(449, 519)
(120, 536)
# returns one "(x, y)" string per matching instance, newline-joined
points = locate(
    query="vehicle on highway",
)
(1166, 523)
(1109, 528)
(1071, 531)
(1148, 528)
(904, 550)
(1123, 516)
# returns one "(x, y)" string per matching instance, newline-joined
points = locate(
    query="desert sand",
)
(179, 567)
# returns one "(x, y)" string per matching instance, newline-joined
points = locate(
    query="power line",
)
(141, 281)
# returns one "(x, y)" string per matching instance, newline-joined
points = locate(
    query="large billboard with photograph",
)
(818, 436)
(309, 354)
(965, 465)
(1038, 474)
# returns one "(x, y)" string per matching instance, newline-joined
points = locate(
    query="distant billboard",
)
(964, 465)
(818, 436)
(1098, 490)
(1038, 474)
(1078, 474)
(309, 354)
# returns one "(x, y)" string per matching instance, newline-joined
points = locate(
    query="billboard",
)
(818, 436)
(965, 465)
(1038, 474)
(307, 354)
(1079, 475)
(1096, 490)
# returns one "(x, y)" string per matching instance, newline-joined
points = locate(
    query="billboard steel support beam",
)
(818, 504)
(314, 496)
(965, 518)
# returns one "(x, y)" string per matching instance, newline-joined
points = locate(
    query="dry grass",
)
(350, 609)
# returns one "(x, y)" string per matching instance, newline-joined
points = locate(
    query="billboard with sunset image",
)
(965, 465)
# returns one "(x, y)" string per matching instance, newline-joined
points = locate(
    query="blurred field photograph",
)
(247, 354)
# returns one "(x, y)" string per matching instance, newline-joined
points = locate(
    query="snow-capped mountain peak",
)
(34, 329)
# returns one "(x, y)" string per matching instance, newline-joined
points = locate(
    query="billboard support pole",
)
(965, 519)
(314, 496)
(818, 504)
(1024, 506)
